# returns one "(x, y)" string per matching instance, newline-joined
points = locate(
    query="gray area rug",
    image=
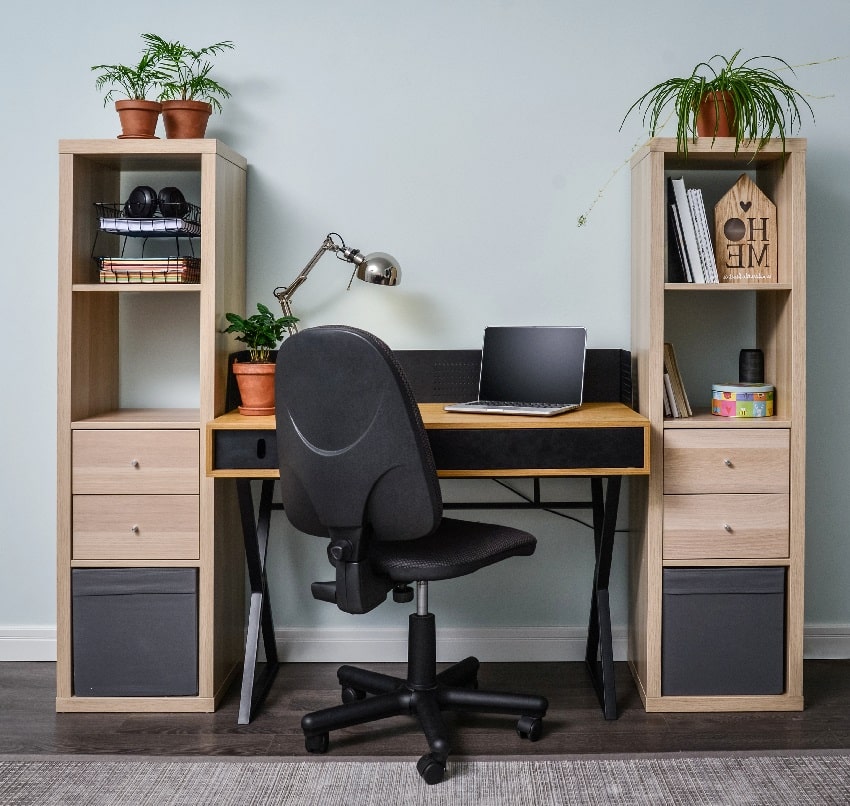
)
(727, 780)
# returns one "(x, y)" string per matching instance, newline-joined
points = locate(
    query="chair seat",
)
(456, 548)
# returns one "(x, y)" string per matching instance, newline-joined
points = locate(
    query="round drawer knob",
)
(727, 527)
(727, 462)
(134, 528)
(134, 463)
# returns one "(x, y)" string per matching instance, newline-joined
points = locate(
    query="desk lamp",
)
(376, 267)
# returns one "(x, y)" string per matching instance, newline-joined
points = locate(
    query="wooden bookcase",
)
(141, 369)
(708, 325)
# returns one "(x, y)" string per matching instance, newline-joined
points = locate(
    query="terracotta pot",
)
(138, 119)
(185, 120)
(716, 115)
(256, 387)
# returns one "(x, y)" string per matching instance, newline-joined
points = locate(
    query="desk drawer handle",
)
(135, 528)
(134, 463)
(728, 463)
(727, 527)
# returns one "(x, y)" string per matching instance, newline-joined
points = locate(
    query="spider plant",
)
(761, 104)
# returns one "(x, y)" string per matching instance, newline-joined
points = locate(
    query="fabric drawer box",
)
(136, 461)
(723, 631)
(733, 460)
(135, 632)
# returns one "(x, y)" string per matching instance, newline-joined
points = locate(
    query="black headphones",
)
(144, 201)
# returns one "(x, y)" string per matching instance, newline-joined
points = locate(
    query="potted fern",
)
(188, 92)
(722, 97)
(261, 333)
(136, 112)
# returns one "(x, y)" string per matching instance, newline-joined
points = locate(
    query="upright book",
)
(689, 235)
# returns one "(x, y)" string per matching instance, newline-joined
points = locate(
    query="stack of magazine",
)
(676, 402)
(692, 248)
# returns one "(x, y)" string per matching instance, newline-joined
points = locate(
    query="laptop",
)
(535, 371)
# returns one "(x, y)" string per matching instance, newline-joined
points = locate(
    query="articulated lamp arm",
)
(377, 267)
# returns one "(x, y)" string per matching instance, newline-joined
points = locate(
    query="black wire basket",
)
(149, 270)
(113, 217)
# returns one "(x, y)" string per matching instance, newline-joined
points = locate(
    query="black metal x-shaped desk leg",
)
(600, 649)
(256, 681)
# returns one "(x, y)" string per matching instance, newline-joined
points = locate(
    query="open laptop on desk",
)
(535, 371)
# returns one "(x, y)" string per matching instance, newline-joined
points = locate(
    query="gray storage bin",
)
(723, 631)
(135, 632)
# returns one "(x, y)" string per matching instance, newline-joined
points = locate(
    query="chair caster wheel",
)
(350, 694)
(318, 743)
(530, 727)
(431, 769)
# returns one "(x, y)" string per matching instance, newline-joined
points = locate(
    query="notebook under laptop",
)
(529, 370)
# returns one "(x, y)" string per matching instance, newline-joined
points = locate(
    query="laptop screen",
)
(533, 364)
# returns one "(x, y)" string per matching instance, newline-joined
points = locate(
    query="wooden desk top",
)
(592, 417)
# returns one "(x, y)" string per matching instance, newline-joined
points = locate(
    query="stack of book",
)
(676, 402)
(692, 250)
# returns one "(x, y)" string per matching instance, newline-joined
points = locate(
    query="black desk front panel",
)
(473, 449)
(538, 448)
(244, 450)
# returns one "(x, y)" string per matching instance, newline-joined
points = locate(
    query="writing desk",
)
(602, 441)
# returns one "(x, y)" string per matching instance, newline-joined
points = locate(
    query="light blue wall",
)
(463, 136)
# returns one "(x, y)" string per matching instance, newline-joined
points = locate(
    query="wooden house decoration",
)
(745, 235)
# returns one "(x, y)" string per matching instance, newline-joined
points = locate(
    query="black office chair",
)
(356, 467)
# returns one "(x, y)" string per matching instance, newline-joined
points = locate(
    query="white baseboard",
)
(27, 643)
(831, 641)
(318, 645)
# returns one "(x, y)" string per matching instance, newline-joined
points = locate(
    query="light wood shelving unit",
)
(678, 513)
(103, 490)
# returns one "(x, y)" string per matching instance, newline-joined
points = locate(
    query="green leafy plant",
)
(187, 71)
(261, 332)
(133, 81)
(763, 104)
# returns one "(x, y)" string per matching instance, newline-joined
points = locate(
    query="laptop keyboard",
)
(501, 403)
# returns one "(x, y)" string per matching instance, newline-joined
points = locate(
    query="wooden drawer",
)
(725, 526)
(135, 527)
(733, 460)
(136, 461)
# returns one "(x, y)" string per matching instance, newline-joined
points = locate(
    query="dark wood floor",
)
(29, 724)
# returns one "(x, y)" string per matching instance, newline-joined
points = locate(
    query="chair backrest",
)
(355, 463)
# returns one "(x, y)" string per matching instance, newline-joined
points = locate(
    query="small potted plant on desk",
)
(137, 114)
(261, 333)
(188, 92)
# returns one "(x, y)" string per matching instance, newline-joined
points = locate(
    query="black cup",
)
(751, 366)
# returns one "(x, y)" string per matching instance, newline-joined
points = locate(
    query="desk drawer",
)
(135, 527)
(725, 526)
(726, 461)
(131, 461)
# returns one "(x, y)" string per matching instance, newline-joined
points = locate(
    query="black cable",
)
(559, 513)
